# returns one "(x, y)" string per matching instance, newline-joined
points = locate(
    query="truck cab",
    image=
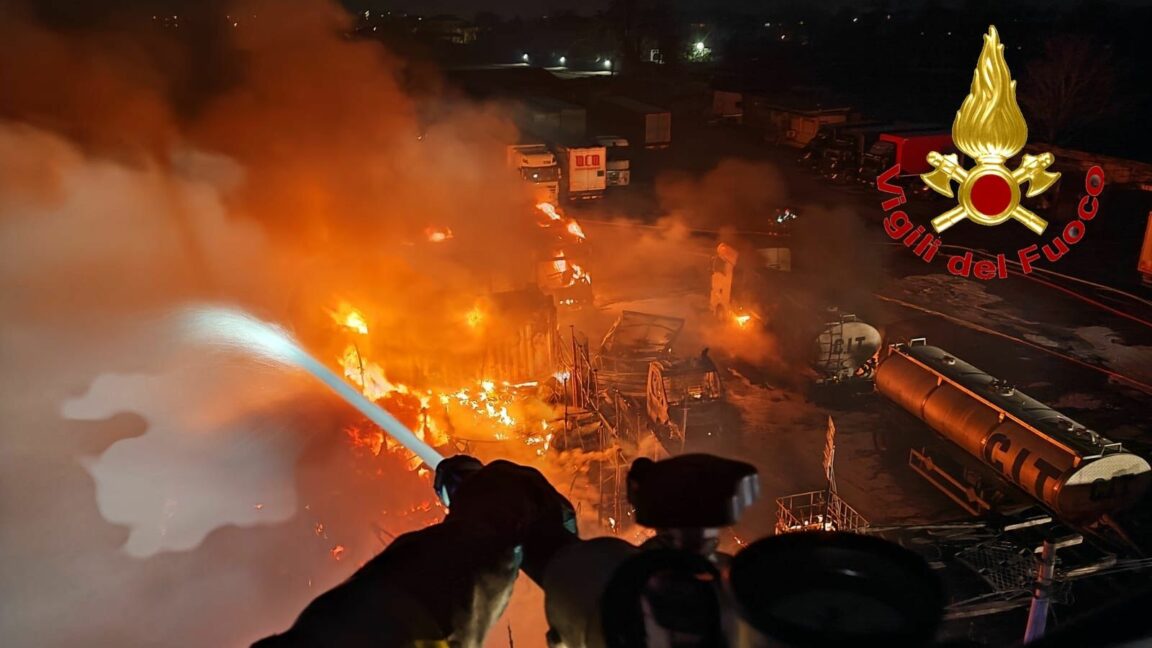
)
(537, 166)
(619, 165)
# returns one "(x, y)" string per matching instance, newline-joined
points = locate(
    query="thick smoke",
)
(736, 203)
(153, 494)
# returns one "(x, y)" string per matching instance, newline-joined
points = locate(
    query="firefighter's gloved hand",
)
(450, 473)
(516, 500)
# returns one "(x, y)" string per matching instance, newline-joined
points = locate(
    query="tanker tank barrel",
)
(1076, 472)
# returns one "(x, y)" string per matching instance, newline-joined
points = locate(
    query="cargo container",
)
(552, 120)
(908, 148)
(727, 106)
(583, 171)
(643, 124)
(792, 124)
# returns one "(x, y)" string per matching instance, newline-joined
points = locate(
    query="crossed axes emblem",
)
(989, 193)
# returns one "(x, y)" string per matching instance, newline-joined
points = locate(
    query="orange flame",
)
(549, 210)
(474, 317)
(372, 440)
(742, 319)
(575, 230)
(350, 318)
(438, 234)
(430, 413)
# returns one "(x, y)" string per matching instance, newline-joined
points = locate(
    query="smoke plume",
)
(154, 494)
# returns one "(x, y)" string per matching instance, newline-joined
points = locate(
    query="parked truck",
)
(643, 124)
(537, 165)
(845, 155)
(908, 148)
(583, 171)
(827, 136)
(619, 165)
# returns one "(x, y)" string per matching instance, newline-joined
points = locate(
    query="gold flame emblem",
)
(990, 128)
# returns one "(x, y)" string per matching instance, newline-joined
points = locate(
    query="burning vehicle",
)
(682, 398)
(740, 279)
(557, 273)
(686, 398)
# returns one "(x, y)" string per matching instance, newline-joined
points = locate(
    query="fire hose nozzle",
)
(451, 472)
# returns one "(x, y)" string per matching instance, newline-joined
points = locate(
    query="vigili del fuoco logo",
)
(989, 129)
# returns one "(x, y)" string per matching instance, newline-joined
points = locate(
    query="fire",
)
(474, 317)
(431, 413)
(575, 230)
(549, 210)
(554, 216)
(438, 234)
(742, 319)
(350, 318)
(569, 272)
(371, 440)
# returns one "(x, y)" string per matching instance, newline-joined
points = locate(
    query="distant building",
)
(449, 29)
(792, 119)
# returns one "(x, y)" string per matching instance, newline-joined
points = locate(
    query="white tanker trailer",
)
(1075, 472)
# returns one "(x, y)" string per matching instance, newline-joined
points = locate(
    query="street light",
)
(563, 60)
(699, 46)
(524, 57)
(608, 63)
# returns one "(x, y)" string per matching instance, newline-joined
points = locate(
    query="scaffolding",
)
(595, 430)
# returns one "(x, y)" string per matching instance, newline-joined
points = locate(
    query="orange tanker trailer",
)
(1078, 474)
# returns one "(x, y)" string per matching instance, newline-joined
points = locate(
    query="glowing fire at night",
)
(487, 406)
(569, 272)
(575, 230)
(742, 319)
(554, 217)
(350, 318)
(474, 317)
(549, 210)
(438, 234)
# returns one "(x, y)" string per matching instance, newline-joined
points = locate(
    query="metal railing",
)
(820, 510)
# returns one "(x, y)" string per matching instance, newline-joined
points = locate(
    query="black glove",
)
(450, 473)
(513, 499)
